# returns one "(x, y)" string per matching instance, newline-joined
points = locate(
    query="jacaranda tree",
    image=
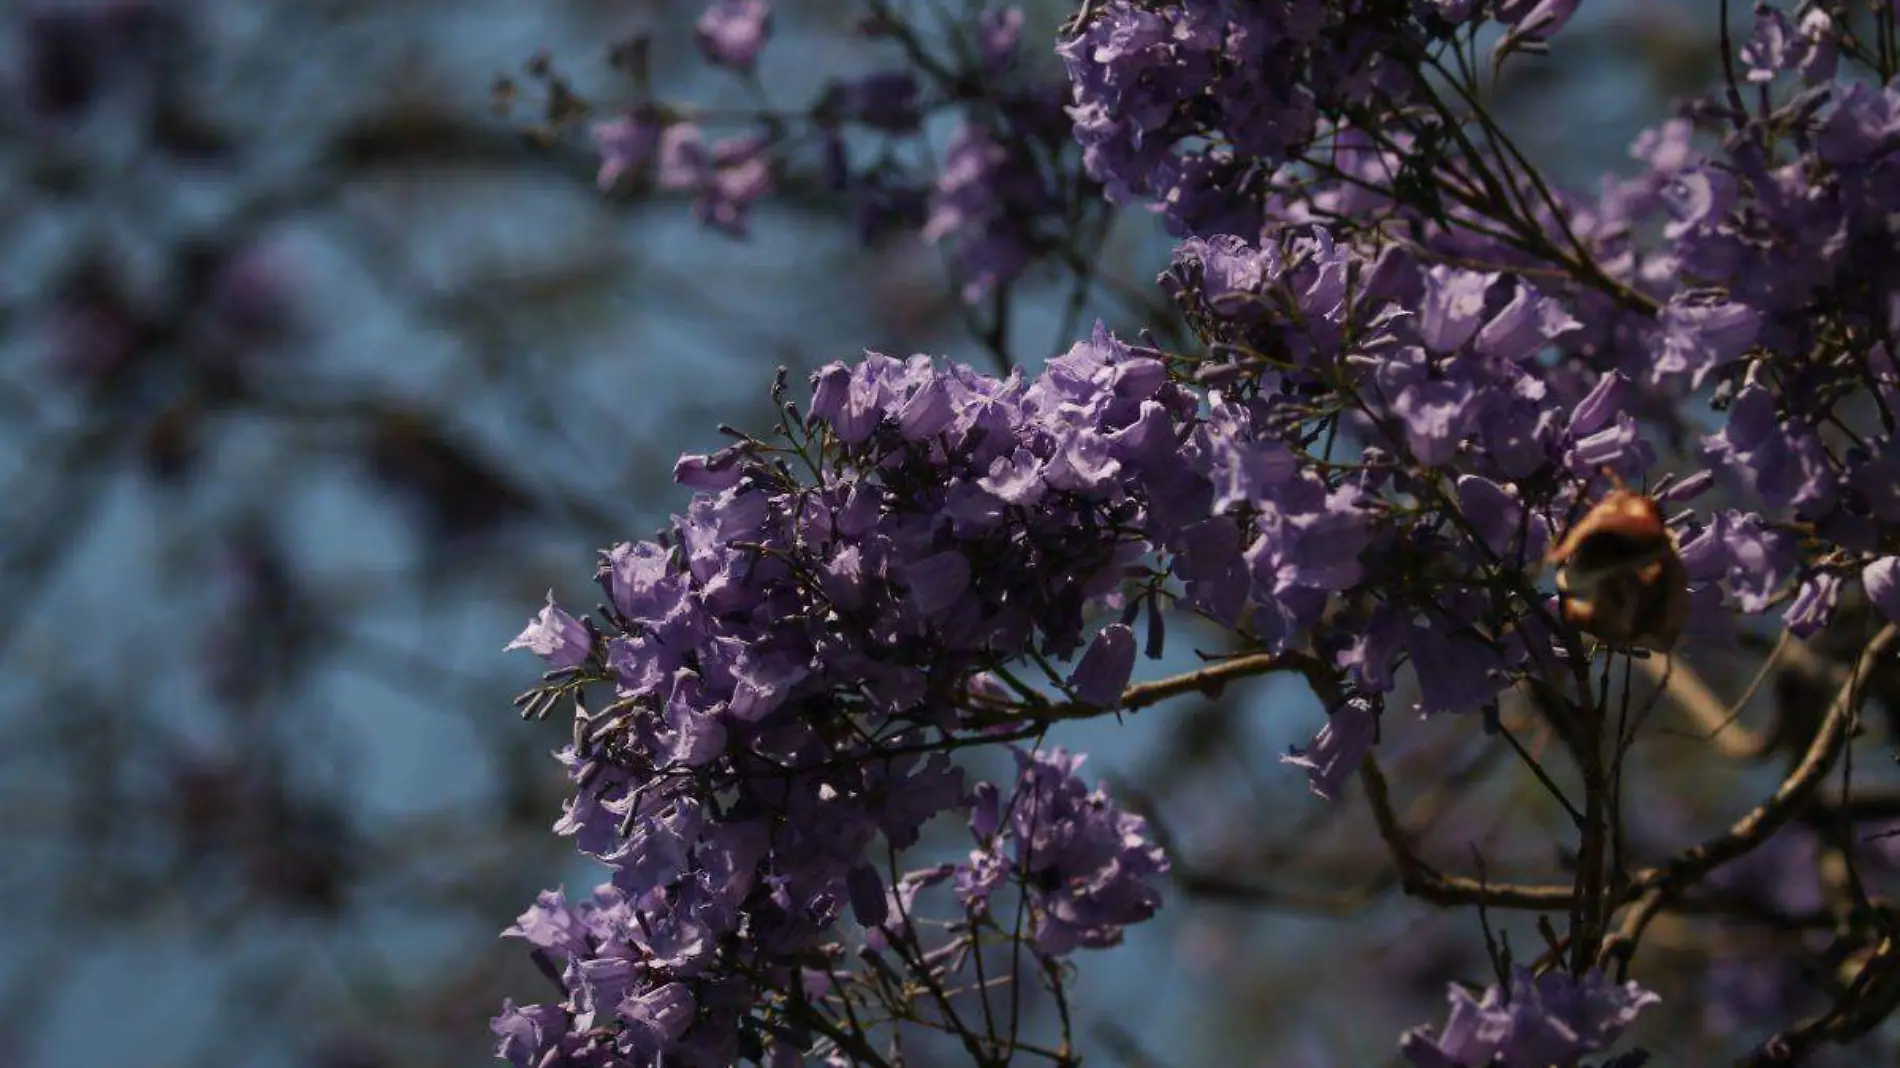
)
(1417, 426)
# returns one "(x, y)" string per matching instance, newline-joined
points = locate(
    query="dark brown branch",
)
(1866, 1003)
(1656, 888)
(1210, 680)
(1347, 902)
(1419, 879)
(1796, 790)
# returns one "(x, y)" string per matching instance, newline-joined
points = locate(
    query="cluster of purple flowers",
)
(1549, 1019)
(1196, 105)
(1248, 82)
(782, 658)
(1413, 380)
(1762, 291)
(724, 178)
(1084, 864)
(699, 970)
(1773, 298)
(993, 204)
(996, 201)
(785, 655)
(1433, 374)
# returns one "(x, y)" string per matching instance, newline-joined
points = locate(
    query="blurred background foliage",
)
(318, 367)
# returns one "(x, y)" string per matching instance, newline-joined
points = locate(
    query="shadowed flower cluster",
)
(1004, 193)
(783, 659)
(1421, 373)
(1551, 1019)
(1083, 863)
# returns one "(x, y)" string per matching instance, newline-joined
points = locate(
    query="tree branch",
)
(1656, 888)
(1755, 827)
(1210, 680)
(1419, 879)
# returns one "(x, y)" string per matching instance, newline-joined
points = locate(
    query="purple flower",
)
(1455, 12)
(1453, 310)
(1547, 1020)
(1369, 656)
(938, 581)
(1084, 864)
(717, 471)
(1103, 672)
(555, 637)
(1457, 672)
(1434, 401)
(1698, 199)
(1701, 334)
(1339, 747)
(762, 679)
(1230, 272)
(1814, 605)
(683, 163)
(1783, 462)
(1321, 545)
(1742, 552)
(732, 32)
(626, 144)
(1212, 569)
(1882, 582)
(527, 1031)
(1195, 105)
(1525, 326)
(741, 174)
(1249, 473)
(1534, 20)
(998, 32)
(550, 924)
(1500, 520)
(659, 1016)
(986, 205)
(1603, 435)
(1864, 119)
(1777, 47)
(725, 179)
(690, 734)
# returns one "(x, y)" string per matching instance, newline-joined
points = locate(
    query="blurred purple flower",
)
(986, 203)
(886, 101)
(1814, 605)
(1882, 582)
(732, 32)
(725, 180)
(1701, 334)
(1457, 672)
(1552, 1019)
(998, 32)
(1534, 20)
(627, 145)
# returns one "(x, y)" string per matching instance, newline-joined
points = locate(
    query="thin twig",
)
(1714, 718)
(1422, 881)
(1655, 888)
(1208, 680)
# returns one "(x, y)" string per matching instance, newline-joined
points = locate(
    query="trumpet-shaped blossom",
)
(1550, 1019)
